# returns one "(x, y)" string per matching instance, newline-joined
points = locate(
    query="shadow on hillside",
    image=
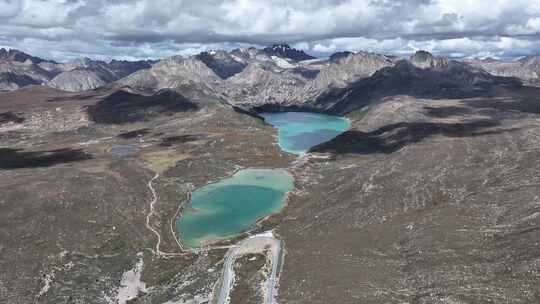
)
(224, 68)
(457, 81)
(124, 107)
(134, 133)
(8, 117)
(20, 80)
(180, 139)
(393, 137)
(518, 104)
(16, 158)
(523, 101)
(83, 96)
(445, 112)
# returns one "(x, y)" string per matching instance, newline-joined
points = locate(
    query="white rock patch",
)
(282, 63)
(131, 284)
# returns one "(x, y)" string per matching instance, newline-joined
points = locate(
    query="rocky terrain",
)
(423, 201)
(285, 51)
(526, 69)
(431, 196)
(76, 197)
(423, 76)
(18, 69)
(250, 78)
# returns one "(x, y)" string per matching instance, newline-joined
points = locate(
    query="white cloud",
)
(454, 47)
(108, 28)
(9, 8)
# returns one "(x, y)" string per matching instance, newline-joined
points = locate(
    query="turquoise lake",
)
(299, 131)
(233, 205)
(221, 210)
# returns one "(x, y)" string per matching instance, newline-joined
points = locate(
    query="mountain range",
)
(277, 76)
(18, 69)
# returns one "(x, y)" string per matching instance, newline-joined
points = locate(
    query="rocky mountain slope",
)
(175, 72)
(285, 51)
(422, 76)
(526, 69)
(251, 77)
(18, 69)
(17, 56)
(278, 75)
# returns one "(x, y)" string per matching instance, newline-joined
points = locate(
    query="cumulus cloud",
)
(155, 28)
(9, 8)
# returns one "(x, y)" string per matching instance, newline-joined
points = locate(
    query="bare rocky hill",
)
(423, 76)
(526, 69)
(18, 69)
(251, 77)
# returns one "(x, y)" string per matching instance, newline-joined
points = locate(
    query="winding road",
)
(149, 215)
(156, 250)
(260, 243)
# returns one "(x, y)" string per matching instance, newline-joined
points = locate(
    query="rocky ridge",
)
(18, 69)
(251, 77)
(526, 69)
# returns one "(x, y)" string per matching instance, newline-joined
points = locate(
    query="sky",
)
(139, 29)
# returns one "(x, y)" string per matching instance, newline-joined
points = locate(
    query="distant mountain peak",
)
(422, 56)
(222, 63)
(19, 56)
(81, 62)
(489, 59)
(339, 55)
(285, 51)
(424, 59)
(281, 47)
(530, 59)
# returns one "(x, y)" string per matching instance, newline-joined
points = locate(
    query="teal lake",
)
(233, 205)
(299, 131)
(224, 209)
